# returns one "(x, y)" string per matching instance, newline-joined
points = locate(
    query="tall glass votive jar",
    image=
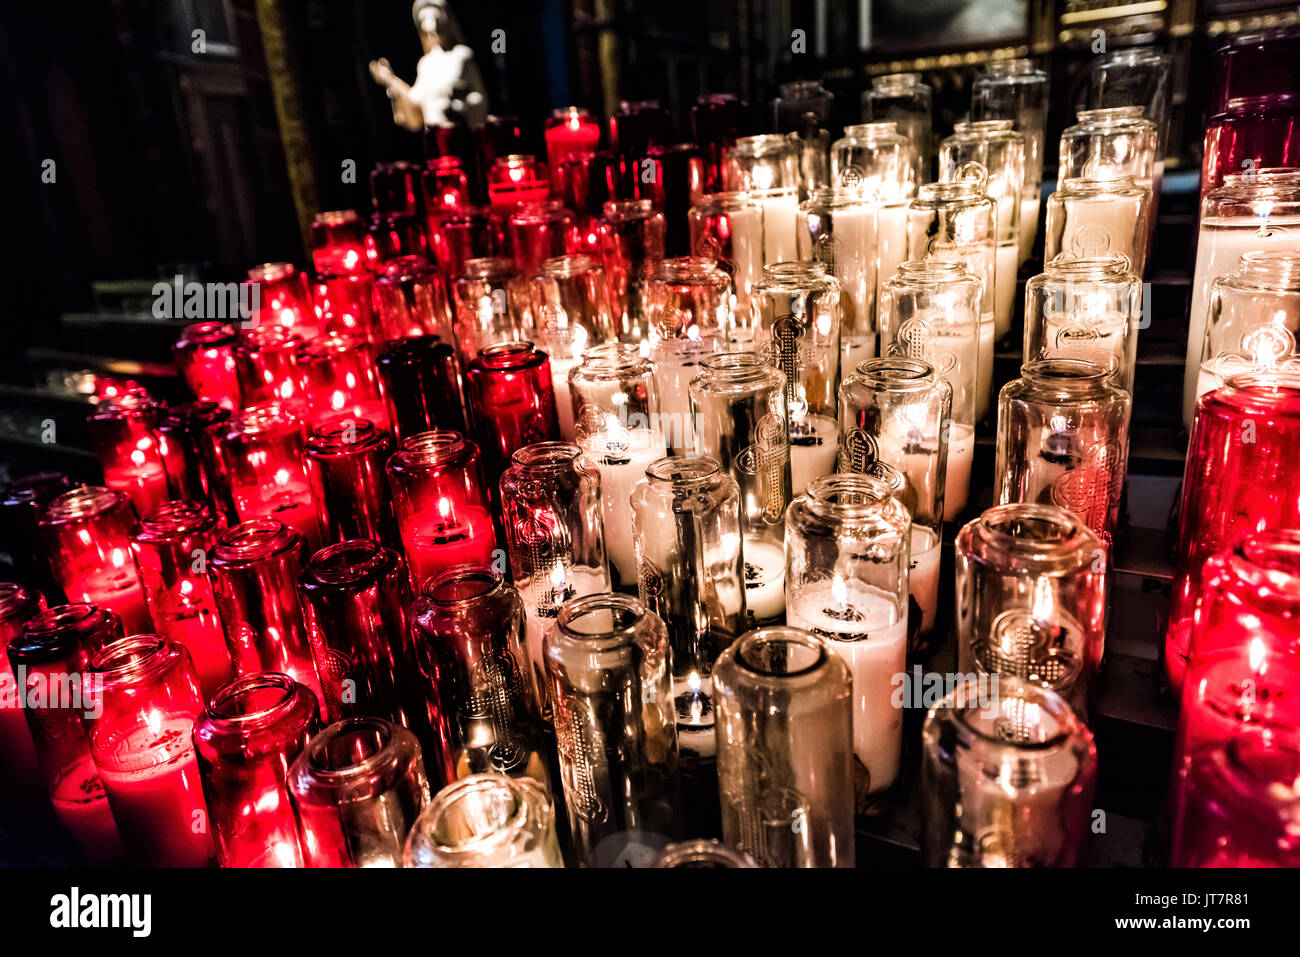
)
(1092, 217)
(484, 691)
(797, 310)
(338, 242)
(550, 501)
(357, 788)
(610, 674)
(727, 229)
(741, 420)
(702, 854)
(1063, 440)
(25, 788)
(246, 739)
(410, 300)
(1008, 772)
(346, 459)
(631, 236)
(785, 749)
(87, 534)
(570, 312)
(512, 393)
(837, 228)
(767, 167)
(440, 500)
(892, 411)
(340, 379)
(345, 306)
(1110, 141)
(1031, 599)
(686, 518)
(121, 431)
(487, 820)
(284, 298)
(266, 365)
(1088, 309)
(172, 545)
(264, 454)
(930, 311)
(906, 100)
(203, 355)
(189, 437)
(420, 379)
(539, 231)
(141, 737)
(491, 304)
(848, 540)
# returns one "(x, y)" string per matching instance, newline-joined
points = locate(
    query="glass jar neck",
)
(982, 129)
(509, 357)
(347, 564)
(135, 660)
(764, 144)
(875, 131)
(622, 210)
(58, 634)
(896, 82)
(897, 374)
(346, 435)
(83, 504)
(464, 586)
(336, 217)
(778, 655)
(253, 703)
(17, 601)
(702, 854)
(735, 368)
(794, 273)
(614, 361)
(845, 497)
(1111, 116)
(491, 269)
(1024, 716)
(683, 471)
(175, 520)
(202, 334)
(695, 270)
(1277, 270)
(1075, 378)
(479, 815)
(265, 419)
(1033, 535)
(356, 753)
(543, 458)
(933, 271)
(255, 541)
(601, 622)
(1107, 267)
(565, 267)
(434, 449)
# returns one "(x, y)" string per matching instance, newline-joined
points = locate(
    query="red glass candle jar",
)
(395, 188)
(345, 461)
(24, 788)
(264, 456)
(445, 187)
(246, 739)
(266, 363)
(338, 242)
(717, 119)
(421, 384)
(676, 183)
(1249, 592)
(569, 131)
(499, 135)
(491, 304)
(284, 298)
(410, 300)
(634, 127)
(540, 231)
(121, 433)
(470, 232)
(510, 391)
(516, 179)
(142, 741)
(21, 506)
(354, 595)
(587, 182)
(1240, 479)
(255, 569)
(340, 380)
(203, 355)
(344, 305)
(87, 538)
(172, 546)
(392, 237)
(441, 503)
(189, 438)
(52, 651)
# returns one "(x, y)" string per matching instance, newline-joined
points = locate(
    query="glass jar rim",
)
(509, 817)
(434, 448)
(487, 267)
(875, 129)
(14, 597)
(1111, 115)
(849, 496)
(336, 217)
(328, 347)
(512, 356)
(628, 209)
(546, 456)
(735, 366)
(1022, 67)
(762, 144)
(983, 126)
(897, 373)
(702, 853)
(568, 266)
(1059, 531)
(267, 336)
(210, 332)
(683, 471)
(266, 417)
(1275, 267)
(935, 270)
(349, 562)
(897, 80)
(749, 646)
(625, 612)
(691, 269)
(129, 405)
(229, 707)
(613, 360)
(343, 435)
(382, 740)
(835, 197)
(1062, 374)
(55, 632)
(462, 584)
(1113, 182)
(725, 201)
(134, 658)
(84, 503)
(1048, 703)
(1261, 383)
(255, 540)
(175, 520)
(1270, 562)
(793, 270)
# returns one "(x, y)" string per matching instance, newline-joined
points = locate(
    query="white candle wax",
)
(747, 249)
(961, 452)
(1109, 224)
(923, 575)
(764, 579)
(676, 363)
(1004, 287)
(1029, 205)
(560, 369)
(780, 215)
(891, 244)
(580, 581)
(864, 628)
(1219, 249)
(622, 460)
(814, 442)
(984, 374)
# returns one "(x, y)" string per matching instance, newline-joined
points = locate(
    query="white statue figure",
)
(447, 83)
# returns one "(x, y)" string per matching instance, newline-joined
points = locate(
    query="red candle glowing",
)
(172, 546)
(516, 179)
(338, 242)
(470, 232)
(341, 381)
(344, 305)
(266, 365)
(283, 299)
(205, 361)
(410, 300)
(446, 190)
(346, 460)
(246, 739)
(87, 538)
(142, 744)
(541, 231)
(121, 432)
(509, 386)
(569, 132)
(24, 789)
(391, 237)
(189, 439)
(441, 503)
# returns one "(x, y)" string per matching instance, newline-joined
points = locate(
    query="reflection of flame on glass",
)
(840, 593)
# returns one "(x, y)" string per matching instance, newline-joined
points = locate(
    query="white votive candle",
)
(579, 582)
(961, 452)
(764, 579)
(622, 457)
(1004, 287)
(923, 574)
(693, 704)
(814, 441)
(984, 373)
(780, 219)
(891, 245)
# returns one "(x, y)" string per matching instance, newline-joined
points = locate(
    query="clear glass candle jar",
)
(930, 310)
(848, 545)
(1240, 479)
(1117, 139)
(246, 738)
(1137, 76)
(25, 788)
(264, 454)
(345, 306)
(702, 854)
(345, 462)
(1031, 599)
(785, 749)
(802, 110)
(570, 312)
(512, 392)
(690, 573)
(420, 379)
(837, 228)
(631, 239)
(550, 501)
(172, 545)
(440, 499)
(486, 820)
(255, 569)
(354, 596)
(762, 162)
(619, 430)
(203, 356)
(491, 304)
(266, 365)
(994, 145)
(1253, 320)
(141, 737)
(52, 650)
(410, 300)
(121, 431)
(189, 438)
(1253, 211)
(906, 100)
(340, 380)
(1016, 90)
(1092, 217)
(1063, 440)
(483, 687)
(540, 231)
(797, 309)
(338, 242)
(726, 229)
(893, 411)
(1008, 776)
(357, 788)
(1088, 309)
(690, 319)
(609, 671)
(283, 298)
(87, 534)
